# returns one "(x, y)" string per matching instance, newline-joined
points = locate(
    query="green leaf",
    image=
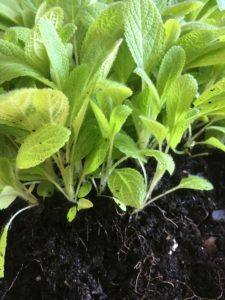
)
(102, 120)
(124, 64)
(74, 88)
(84, 204)
(183, 8)
(7, 197)
(85, 189)
(118, 117)
(215, 92)
(217, 128)
(165, 160)
(29, 109)
(195, 183)
(97, 156)
(7, 174)
(156, 129)
(56, 51)
(3, 245)
(127, 145)
(180, 97)
(13, 64)
(172, 32)
(178, 105)
(214, 142)
(40, 145)
(153, 103)
(45, 189)
(71, 215)
(88, 138)
(102, 37)
(169, 71)
(67, 32)
(117, 91)
(127, 185)
(144, 33)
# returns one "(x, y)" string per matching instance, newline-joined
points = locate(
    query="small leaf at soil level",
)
(71, 215)
(85, 189)
(195, 183)
(84, 204)
(127, 185)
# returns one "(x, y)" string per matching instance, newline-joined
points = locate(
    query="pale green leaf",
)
(118, 117)
(214, 142)
(183, 8)
(165, 160)
(144, 33)
(102, 120)
(156, 129)
(195, 183)
(56, 51)
(85, 189)
(127, 145)
(71, 215)
(117, 91)
(45, 189)
(127, 185)
(179, 98)
(84, 204)
(3, 245)
(124, 64)
(40, 145)
(97, 156)
(172, 32)
(169, 70)
(7, 197)
(217, 128)
(7, 174)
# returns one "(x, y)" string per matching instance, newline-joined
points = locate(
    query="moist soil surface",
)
(173, 250)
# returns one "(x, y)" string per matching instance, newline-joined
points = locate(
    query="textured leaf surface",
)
(7, 197)
(165, 160)
(40, 145)
(195, 183)
(56, 51)
(169, 70)
(155, 128)
(144, 33)
(214, 142)
(127, 185)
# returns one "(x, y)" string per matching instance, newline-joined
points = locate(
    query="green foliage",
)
(89, 88)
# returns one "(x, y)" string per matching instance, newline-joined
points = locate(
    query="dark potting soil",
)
(172, 250)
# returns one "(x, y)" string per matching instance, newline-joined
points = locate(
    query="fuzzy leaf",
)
(165, 160)
(127, 145)
(118, 117)
(102, 120)
(56, 51)
(183, 8)
(169, 71)
(214, 142)
(85, 189)
(7, 197)
(156, 129)
(71, 215)
(84, 204)
(40, 145)
(172, 32)
(127, 185)
(96, 157)
(195, 183)
(144, 33)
